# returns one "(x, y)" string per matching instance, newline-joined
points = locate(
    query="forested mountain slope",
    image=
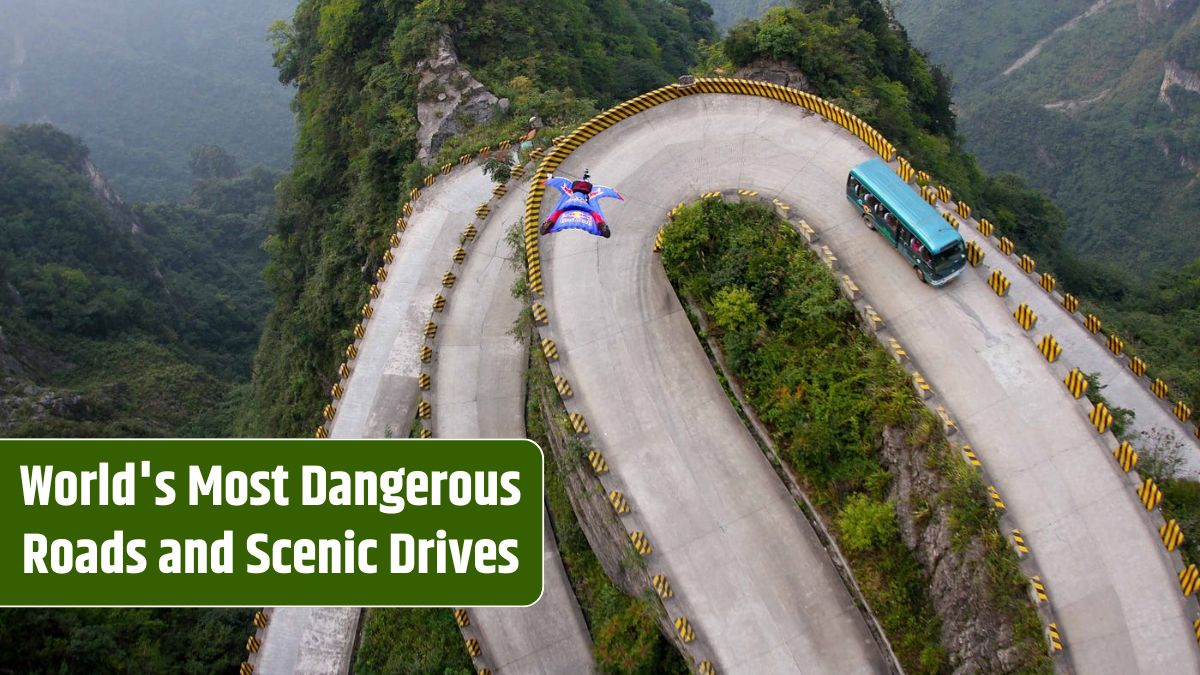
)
(356, 68)
(143, 81)
(120, 320)
(1095, 102)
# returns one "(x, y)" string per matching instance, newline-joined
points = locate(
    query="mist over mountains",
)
(143, 82)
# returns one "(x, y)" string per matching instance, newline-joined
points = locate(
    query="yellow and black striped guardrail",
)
(1092, 323)
(1182, 410)
(439, 303)
(563, 387)
(929, 194)
(1115, 344)
(1006, 246)
(921, 386)
(998, 282)
(540, 316)
(948, 425)
(1025, 316)
(1126, 456)
(662, 587)
(1149, 494)
(640, 543)
(686, 632)
(1054, 638)
(461, 618)
(1101, 417)
(1019, 544)
(1038, 590)
(596, 459)
(1138, 366)
(1076, 382)
(619, 503)
(1050, 348)
(994, 495)
(578, 423)
(897, 350)
(700, 86)
(1189, 579)
(550, 349)
(1159, 388)
(975, 253)
(874, 321)
(1171, 534)
(1047, 281)
(971, 458)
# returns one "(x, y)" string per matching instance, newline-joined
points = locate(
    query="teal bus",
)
(889, 206)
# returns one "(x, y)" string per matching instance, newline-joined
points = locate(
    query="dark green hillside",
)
(118, 320)
(1084, 117)
(143, 81)
(354, 65)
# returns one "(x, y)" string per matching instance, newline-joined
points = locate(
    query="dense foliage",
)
(354, 64)
(1082, 119)
(424, 641)
(138, 320)
(143, 81)
(169, 641)
(829, 392)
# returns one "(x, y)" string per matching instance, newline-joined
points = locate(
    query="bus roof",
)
(925, 222)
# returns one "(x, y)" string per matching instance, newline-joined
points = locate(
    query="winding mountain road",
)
(746, 570)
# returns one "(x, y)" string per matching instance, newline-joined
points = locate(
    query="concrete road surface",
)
(381, 398)
(479, 392)
(745, 566)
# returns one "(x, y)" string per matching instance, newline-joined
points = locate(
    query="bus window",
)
(890, 222)
(857, 187)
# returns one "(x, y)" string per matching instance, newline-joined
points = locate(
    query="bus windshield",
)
(946, 259)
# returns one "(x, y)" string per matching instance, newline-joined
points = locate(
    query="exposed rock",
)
(975, 634)
(449, 100)
(1157, 10)
(775, 72)
(1175, 75)
(119, 213)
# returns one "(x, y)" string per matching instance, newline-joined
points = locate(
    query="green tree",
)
(866, 523)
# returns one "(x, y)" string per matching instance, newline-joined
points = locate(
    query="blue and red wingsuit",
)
(579, 206)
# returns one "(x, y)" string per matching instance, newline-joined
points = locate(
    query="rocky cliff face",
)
(974, 632)
(775, 72)
(450, 99)
(121, 216)
(1157, 10)
(1175, 75)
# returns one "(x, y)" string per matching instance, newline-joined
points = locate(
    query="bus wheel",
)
(920, 273)
(868, 222)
